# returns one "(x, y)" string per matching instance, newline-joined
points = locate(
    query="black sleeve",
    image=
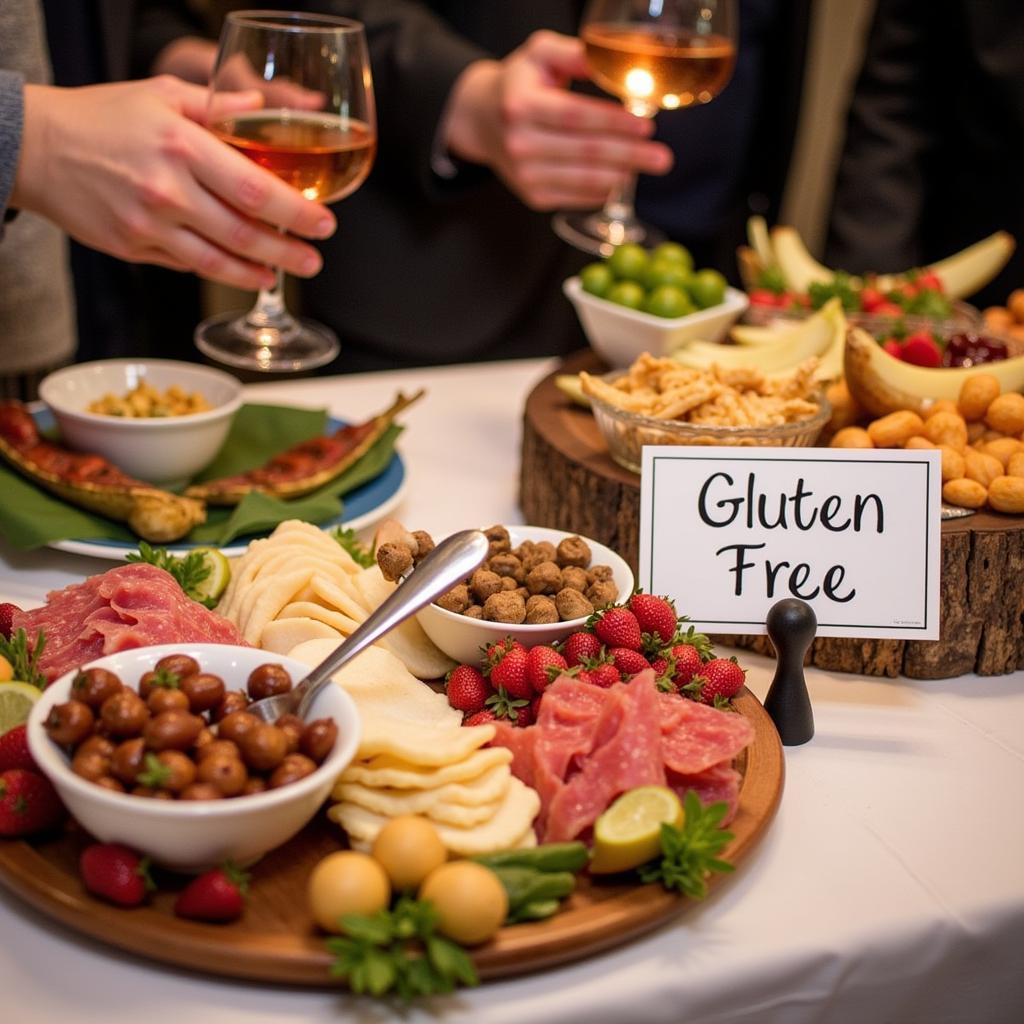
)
(880, 185)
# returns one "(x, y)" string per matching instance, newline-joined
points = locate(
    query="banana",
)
(778, 350)
(757, 236)
(881, 383)
(961, 274)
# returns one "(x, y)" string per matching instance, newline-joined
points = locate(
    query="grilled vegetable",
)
(93, 483)
(307, 466)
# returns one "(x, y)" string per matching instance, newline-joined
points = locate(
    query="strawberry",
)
(617, 627)
(492, 651)
(761, 297)
(28, 803)
(14, 752)
(216, 895)
(524, 716)
(584, 676)
(116, 873)
(720, 679)
(580, 645)
(688, 663)
(894, 347)
(543, 664)
(484, 717)
(921, 350)
(628, 662)
(887, 308)
(604, 675)
(507, 670)
(7, 613)
(930, 281)
(467, 689)
(504, 705)
(656, 616)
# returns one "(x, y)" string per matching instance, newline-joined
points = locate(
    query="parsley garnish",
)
(24, 661)
(347, 538)
(189, 570)
(399, 951)
(689, 854)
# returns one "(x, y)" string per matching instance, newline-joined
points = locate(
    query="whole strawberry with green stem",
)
(656, 616)
(217, 895)
(28, 803)
(543, 665)
(467, 689)
(116, 873)
(14, 752)
(506, 669)
(580, 646)
(616, 627)
(720, 680)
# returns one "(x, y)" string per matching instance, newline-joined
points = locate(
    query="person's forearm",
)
(11, 127)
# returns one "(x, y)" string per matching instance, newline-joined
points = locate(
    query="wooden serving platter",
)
(568, 481)
(277, 941)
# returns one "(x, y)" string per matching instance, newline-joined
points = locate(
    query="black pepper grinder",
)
(791, 625)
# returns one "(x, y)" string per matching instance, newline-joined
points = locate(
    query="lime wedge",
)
(628, 834)
(16, 700)
(210, 589)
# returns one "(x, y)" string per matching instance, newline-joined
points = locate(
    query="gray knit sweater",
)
(36, 321)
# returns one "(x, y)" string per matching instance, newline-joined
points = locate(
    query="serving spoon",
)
(449, 563)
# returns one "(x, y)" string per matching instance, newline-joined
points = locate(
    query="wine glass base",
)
(229, 339)
(598, 234)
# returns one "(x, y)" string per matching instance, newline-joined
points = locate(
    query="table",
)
(890, 887)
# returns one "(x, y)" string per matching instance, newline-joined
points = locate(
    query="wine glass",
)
(316, 130)
(654, 55)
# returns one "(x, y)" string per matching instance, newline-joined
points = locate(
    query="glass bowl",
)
(626, 433)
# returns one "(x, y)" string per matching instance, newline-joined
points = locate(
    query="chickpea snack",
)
(153, 748)
(536, 585)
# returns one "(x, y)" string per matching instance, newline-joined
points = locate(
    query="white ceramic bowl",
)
(193, 835)
(166, 451)
(619, 334)
(461, 637)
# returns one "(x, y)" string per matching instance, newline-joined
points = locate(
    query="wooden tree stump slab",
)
(568, 481)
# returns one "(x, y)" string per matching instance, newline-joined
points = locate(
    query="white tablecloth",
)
(889, 889)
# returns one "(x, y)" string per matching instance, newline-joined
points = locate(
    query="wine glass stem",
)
(619, 205)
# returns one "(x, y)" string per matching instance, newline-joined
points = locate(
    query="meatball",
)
(499, 540)
(540, 609)
(602, 593)
(509, 583)
(505, 606)
(474, 611)
(507, 565)
(456, 600)
(571, 604)
(424, 544)
(601, 573)
(545, 578)
(573, 551)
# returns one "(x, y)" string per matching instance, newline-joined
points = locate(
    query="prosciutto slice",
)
(589, 745)
(134, 605)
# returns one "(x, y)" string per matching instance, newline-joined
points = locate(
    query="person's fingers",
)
(292, 96)
(255, 191)
(225, 104)
(528, 144)
(249, 239)
(568, 112)
(544, 186)
(208, 260)
(559, 57)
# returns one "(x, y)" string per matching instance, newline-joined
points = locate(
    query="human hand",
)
(129, 169)
(553, 148)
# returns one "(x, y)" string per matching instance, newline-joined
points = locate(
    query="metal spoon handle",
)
(449, 563)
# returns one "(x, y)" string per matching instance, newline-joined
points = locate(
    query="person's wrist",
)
(472, 108)
(31, 181)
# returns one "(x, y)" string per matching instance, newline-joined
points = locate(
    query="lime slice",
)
(16, 700)
(210, 589)
(628, 834)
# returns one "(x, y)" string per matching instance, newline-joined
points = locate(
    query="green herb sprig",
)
(689, 854)
(24, 660)
(399, 951)
(360, 552)
(189, 570)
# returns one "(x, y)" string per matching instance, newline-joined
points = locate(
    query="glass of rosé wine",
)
(316, 129)
(653, 55)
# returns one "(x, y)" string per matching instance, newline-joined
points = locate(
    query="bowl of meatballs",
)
(537, 585)
(153, 748)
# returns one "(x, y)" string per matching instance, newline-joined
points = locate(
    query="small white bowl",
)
(619, 334)
(167, 451)
(194, 835)
(461, 637)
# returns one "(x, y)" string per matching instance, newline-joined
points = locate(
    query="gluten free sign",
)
(727, 532)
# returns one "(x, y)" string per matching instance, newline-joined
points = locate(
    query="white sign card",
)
(729, 531)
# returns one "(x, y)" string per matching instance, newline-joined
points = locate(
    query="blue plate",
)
(363, 507)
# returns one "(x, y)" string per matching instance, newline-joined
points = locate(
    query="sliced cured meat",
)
(591, 744)
(130, 606)
(695, 736)
(721, 782)
(626, 753)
